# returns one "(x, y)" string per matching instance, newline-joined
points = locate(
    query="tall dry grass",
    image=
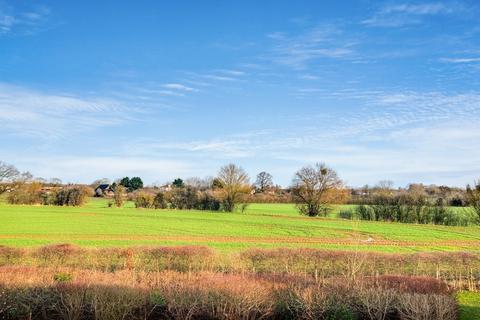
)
(68, 282)
(33, 293)
(460, 270)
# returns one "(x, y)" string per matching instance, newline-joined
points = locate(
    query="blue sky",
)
(377, 90)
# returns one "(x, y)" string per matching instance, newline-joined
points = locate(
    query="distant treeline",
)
(313, 190)
(36, 193)
(450, 196)
(416, 204)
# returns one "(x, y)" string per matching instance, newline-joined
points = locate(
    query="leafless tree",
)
(199, 183)
(235, 182)
(473, 197)
(36, 179)
(27, 176)
(55, 181)
(385, 185)
(8, 172)
(264, 181)
(98, 182)
(310, 185)
(383, 189)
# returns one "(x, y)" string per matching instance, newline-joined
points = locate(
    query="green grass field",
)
(469, 305)
(262, 225)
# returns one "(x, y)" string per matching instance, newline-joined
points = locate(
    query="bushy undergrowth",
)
(32, 193)
(460, 270)
(406, 210)
(71, 196)
(34, 294)
(184, 198)
(25, 194)
(144, 200)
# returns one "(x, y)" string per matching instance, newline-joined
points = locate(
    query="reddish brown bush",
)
(58, 250)
(179, 251)
(33, 293)
(427, 307)
(57, 254)
(9, 254)
(410, 284)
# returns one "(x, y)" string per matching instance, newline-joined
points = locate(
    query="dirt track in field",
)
(473, 244)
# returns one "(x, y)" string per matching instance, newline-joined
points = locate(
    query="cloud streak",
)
(406, 136)
(22, 22)
(461, 60)
(179, 87)
(317, 43)
(404, 14)
(27, 112)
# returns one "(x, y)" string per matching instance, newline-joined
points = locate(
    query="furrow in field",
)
(473, 244)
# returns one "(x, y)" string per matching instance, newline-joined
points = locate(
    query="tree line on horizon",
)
(313, 189)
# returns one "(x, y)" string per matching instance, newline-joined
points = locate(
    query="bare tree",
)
(383, 189)
(385, 185)
(473, 197)
(264, 181)
(8, 172)
(119, 196)
(310, 185)
(98, 182)
(199, 183)
(234, 182)
(55, 181)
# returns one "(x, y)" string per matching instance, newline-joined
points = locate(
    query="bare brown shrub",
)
(25, 193)
(410, 284)
(115, 302)
(376, 304)
(427, 307)
(9, 255)
(31, 293)
(58, 251)
(460, 270)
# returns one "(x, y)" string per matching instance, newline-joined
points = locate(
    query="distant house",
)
(166, 187)
(103, 190)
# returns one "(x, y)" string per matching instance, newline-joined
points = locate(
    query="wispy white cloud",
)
(277, 35)
(6, 23)
(308, 77)
(218, 77)
(179, 87)
(461, 60)
(320, 42)
(33, 113)
(403, 14)
(22, 22)
(233, 72)
(302, 91)
(419, 9)
(223, 148)
(160, 92)
(406, 136)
